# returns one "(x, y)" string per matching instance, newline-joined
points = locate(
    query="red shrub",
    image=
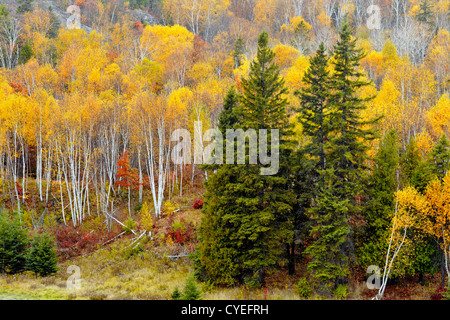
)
(180, 232)
(198, 203)
(19, 189)
(437, 295)
(72, 242)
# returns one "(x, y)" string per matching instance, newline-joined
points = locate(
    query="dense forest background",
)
(86, 117)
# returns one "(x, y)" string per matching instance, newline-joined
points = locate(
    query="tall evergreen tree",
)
(348, 154)
(239, 49)
(244, 225)
(409, 161)
(329, 231)
(439, 158)
(228, 117)
(302, 184)
(336, 203)
(311, 159)
(216, 257)
(416, 172)
(313, 112)
(263, 105)
(380, 206)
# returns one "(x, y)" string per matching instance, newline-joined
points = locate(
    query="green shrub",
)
(341, 291)
(137, 207)
(128, 225)
(130, 252)
(42, 258)
(304, 289)
(252, 281)
(191, 291)
(13, 245)
(176, 294)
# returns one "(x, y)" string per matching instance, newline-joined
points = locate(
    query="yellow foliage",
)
(364, 44)
(179, 99)
(264, 12)
(294, 75)
(389, 53)
(438, 118)
(285, 56)
(146, 217)
(200, 72)
(297, 21)
(424, 142)
(169, 207)
(437, 212)
(438, 58)
(242, 71)
(373, 62)
(149, 74)
(168, 46)
(410, 205)
(414, 10)
(324, 19)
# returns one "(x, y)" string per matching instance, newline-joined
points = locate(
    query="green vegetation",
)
(13, 244)
(42, 259)
(349, 162)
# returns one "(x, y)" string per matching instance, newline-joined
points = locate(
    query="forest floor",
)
(117, 270)
(107, 275)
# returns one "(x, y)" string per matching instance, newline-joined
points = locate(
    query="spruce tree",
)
(313, 111)
(335, 203)
(190, 290)
(311, 159)
(263, 105)
(239, 49)
(42, 258)
(244, 224)
(228, 117)
(329, 258)
(349, 142)
(439, 158)
(13, 245)
(416, 172)
(410, 161)
(382, 185)
(438, 165)
(216, 256)
(302, 182)
(176, 294)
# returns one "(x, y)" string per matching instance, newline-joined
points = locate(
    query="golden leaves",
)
(410, 205)
(438, 118)
(428, 213)
(285, 56)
